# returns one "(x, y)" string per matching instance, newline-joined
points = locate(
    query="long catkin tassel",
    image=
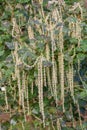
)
(22, 94)
(61, 64)
(40, 89)
(6, 99)
(48, 69)
(27, 96)
(24, 83)
(71, 80)
(78, 36)
(45, 83)
(17, 71)
(61, 72)
(54, 78)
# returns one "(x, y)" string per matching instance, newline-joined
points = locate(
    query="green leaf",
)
(23, 1)
(10, 45)
(52, 110)
(84, 47)
(40, 46)
(73, 40)
(2, 52)
(25, 53)
(81, 56)
(83, 94)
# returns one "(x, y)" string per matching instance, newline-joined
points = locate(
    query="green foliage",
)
(20, 9)
(23, 1)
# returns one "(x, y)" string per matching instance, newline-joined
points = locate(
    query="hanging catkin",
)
(72, 33)
(22, 93)
(6, 99)
(49, 80)
(30, 32)
(78, 36)
(78, 30)
(58, 124)
(61, 64)
(16, 34)
(48, 69)
(17, 71)
(61, 60)
(39, 83)
(47, 52)
(40, 89)
(45, 83)
(16, 31)
(72, 28)
(70, 79)
(61, 72)
(27, 96)
(61, 41)
(54, 78)
(32, 87)
(15, 92)
(24, 82)
(23, 106)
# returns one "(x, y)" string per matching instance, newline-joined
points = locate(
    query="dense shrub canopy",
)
(43, 70)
